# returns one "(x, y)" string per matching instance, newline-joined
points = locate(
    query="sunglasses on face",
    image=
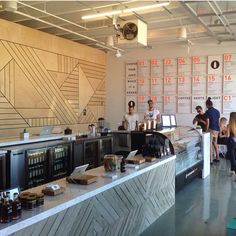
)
(198, 111)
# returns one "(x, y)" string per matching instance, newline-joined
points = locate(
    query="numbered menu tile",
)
(198, 101)
(229, 84)
(156, 68)
(156, 85)
(142, 103)
(158, 101)
(184, 66)
(214, 84)
(169, 104)
(170, 67)
(198, 84)
(217, 101)
(170, 87)
(184, 104)
(131, 79)
(229, 63)
(229, 103)
(199, 65)
(143, 69)
(184, 84)
(215, 66)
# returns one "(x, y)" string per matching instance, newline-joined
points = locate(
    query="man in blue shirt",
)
(213, 116)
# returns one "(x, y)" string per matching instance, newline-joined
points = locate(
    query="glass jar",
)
(110, 162)
(31, 202)
(40, 199)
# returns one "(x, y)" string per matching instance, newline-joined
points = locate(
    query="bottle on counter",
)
(136, 126)
(122, 165)
(6, 211)
(16, 207)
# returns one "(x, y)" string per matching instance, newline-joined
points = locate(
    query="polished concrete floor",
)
(204, 207)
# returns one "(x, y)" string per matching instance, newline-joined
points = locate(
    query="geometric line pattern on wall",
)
(7, 82)
(5, 56)
(58, 77)
(66, 64)
(9, 117)
(88, 118)
(44, 121)
(42, 81)
(70, 89)
(125, 210)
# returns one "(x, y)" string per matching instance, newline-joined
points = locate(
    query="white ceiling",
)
(205, 21)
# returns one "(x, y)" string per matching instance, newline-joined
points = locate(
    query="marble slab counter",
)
(78, 195)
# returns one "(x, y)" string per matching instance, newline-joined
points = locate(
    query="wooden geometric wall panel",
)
(58, 77)
(43, 122)
(26, 96)
(26, 58)
(48, 59)
(66, 64)
(70, 89)
(85, 90)
(7, 80)
(88, 118)
(36, 112)
(5, 57)
(9, 117)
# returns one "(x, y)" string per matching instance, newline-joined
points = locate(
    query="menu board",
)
(170, 85)
(217, 101)
(214, 84)
(199, 65)
(215, 65)
(184, 104)
(156, 77)
(198, 101)
(170, 67)
(131, 79)
(169, 103)
(229, 103)
(229, 83)
(184, 66)
(229, 63)
(199, 84)
(184, 85)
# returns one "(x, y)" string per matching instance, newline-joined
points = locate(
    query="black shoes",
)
(216, 160)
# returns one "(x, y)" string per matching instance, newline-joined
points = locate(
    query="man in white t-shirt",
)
(152, 113)
(130, 118)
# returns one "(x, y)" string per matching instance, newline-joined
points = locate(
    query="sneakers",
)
(216, 160)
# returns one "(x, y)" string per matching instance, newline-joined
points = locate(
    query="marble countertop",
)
(75, 194)
(33, 139)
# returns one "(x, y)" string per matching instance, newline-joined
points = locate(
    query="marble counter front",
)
(128, 204)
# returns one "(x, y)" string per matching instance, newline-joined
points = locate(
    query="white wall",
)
(115, 82)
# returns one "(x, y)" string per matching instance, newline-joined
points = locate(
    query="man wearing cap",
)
(130, 118)
(152, 113)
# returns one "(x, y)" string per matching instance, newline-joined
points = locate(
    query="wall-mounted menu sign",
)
(214, 65)
(170, 67)
(169, 103)
(131, 79)
(198, 101)
(170, 85)
(184, 104)
(184, 84)
(214, 84)
(229, 103)
(131, 98)
(142, 103)
(198, 84)
(156, 77)
(217, 101)
(229, 63)
(158, 101)
(184, 66)
(143, 77)
(229, 83)
(199, 65)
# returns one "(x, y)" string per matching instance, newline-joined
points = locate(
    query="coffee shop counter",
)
(126, 205)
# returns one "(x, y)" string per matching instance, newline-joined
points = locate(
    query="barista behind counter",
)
(152, 113)
(130, 119)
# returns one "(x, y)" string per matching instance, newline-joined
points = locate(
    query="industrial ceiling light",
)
(118, 54)
(10, 6)
(127, 10)
(183, 33)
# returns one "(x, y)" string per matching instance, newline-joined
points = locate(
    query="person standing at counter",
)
(200, 118)
(213, 116)
(152, 113)
(131, 118)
